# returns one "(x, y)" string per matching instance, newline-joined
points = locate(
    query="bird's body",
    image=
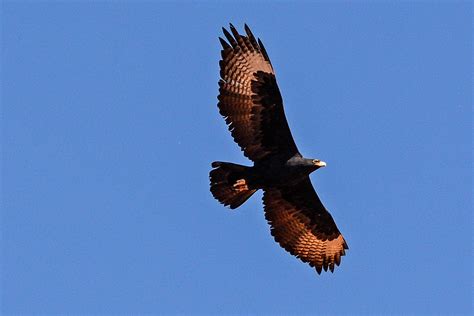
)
(252, 105)
(274, 172)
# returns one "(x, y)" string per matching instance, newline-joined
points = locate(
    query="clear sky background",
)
(109, 125)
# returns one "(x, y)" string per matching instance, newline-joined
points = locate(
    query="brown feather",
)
(302, 226)
(250, 100)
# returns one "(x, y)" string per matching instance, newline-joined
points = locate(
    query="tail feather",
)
(229, 184)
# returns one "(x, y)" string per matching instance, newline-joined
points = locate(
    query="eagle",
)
(252, 106)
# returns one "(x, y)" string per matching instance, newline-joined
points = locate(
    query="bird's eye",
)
(315, 161)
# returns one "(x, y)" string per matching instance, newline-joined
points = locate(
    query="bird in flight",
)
(251, 103)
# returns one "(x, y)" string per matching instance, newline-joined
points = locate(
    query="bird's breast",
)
(280, 175)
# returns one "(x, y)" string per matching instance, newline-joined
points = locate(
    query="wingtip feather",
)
(224, 44)
(252, 39)
(234, 31)
(264, 51)
(319, 269)
(229, 37)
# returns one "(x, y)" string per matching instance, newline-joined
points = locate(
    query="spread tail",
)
(229, 183)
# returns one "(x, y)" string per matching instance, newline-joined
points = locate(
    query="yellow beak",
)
(319, 163)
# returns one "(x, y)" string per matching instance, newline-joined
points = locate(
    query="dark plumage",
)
(251, 103)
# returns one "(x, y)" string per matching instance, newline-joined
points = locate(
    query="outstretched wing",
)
(250, 100)
(302, 225)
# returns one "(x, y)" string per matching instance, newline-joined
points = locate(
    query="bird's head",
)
(316, 163)
(305, 165)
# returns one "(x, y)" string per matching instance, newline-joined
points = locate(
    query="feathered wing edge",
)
(249, 98)
(303, 228)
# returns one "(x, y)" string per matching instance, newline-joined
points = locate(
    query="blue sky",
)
(109, 126)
